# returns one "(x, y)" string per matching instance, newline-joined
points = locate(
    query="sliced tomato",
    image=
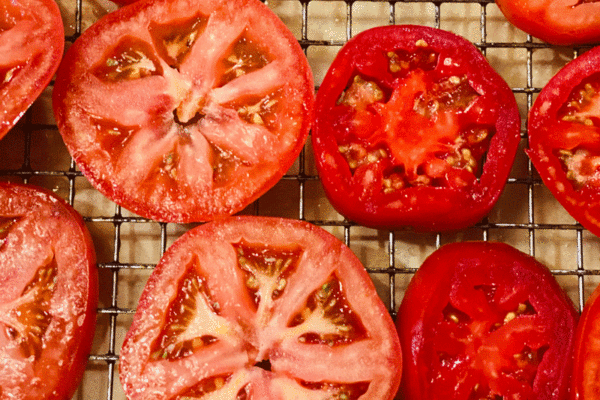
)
(484, 321)
(185, 110)
(562, 22)
(404, 118)
(585, 384)
(48, 295)
(564, 138)
(260, 308)
(31, 47)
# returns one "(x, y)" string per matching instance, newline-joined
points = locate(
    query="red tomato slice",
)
(31, 47)
(185, 110)
(585, 384)
(404, 118)
(562, 22)
(260, 308)
(564, 138)
(485, 321)
(48, 295)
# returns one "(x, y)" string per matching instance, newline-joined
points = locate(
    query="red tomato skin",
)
(28, 83)
(423, 208)
(134, 359)
(560, 22)
(428, 292)
(204, 206)
(546, 134)
(70, 369)
(585, 384)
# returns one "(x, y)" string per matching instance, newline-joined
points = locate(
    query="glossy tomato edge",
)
(468, 208)
(434, 274)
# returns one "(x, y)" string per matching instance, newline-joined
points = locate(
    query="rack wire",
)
(128, 247)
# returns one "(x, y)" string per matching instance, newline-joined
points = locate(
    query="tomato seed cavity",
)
(174, 39)
(327, 318)
(172, 342)
(28, 321)
(130, 59)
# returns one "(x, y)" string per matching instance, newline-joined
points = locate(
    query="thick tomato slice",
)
(414, 128)
(260, 308)
(585, 384)
(564, 138)
(48, 295)
(31, 47)
(184, 110)
(484, 321)
(561, 22)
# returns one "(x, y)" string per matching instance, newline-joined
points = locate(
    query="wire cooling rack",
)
(526, 217)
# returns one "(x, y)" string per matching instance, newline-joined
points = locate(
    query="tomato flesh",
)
(32, 37)
(493, 324)
(403, 122)
(560, 22)
(185, 113)
(585, 384)
(260, 308)
(49, 296)
(564, 138)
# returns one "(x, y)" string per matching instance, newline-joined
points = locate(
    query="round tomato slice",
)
(561, 22)
(485, 321)
(31, 47)
(48, 295)
(185, 110)
(585, 384)
(414, 128)
(564, 138)
(260, 308)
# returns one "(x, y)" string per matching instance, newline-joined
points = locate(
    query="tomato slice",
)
(564, 138)
(185, 110)
(48, 295)
(260, 308)
(31, 47)
(414, 128)
(562, 22)
(585, 384)
(485, 321)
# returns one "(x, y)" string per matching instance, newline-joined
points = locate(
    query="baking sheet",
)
(128, 247)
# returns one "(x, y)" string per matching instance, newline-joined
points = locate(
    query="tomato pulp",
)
(31, 47)
(404, 118)
(184, 110)
(260, 308)
(564, 138)
(482, 320)
(48, 295)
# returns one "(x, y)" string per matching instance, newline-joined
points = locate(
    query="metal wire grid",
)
(394, 270)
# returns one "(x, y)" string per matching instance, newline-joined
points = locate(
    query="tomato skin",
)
(56, 372)
(32, 37)
(560, 22)
(549, 133)
(484, 281)
(357, 195)
(247, 332)
(182, 151)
